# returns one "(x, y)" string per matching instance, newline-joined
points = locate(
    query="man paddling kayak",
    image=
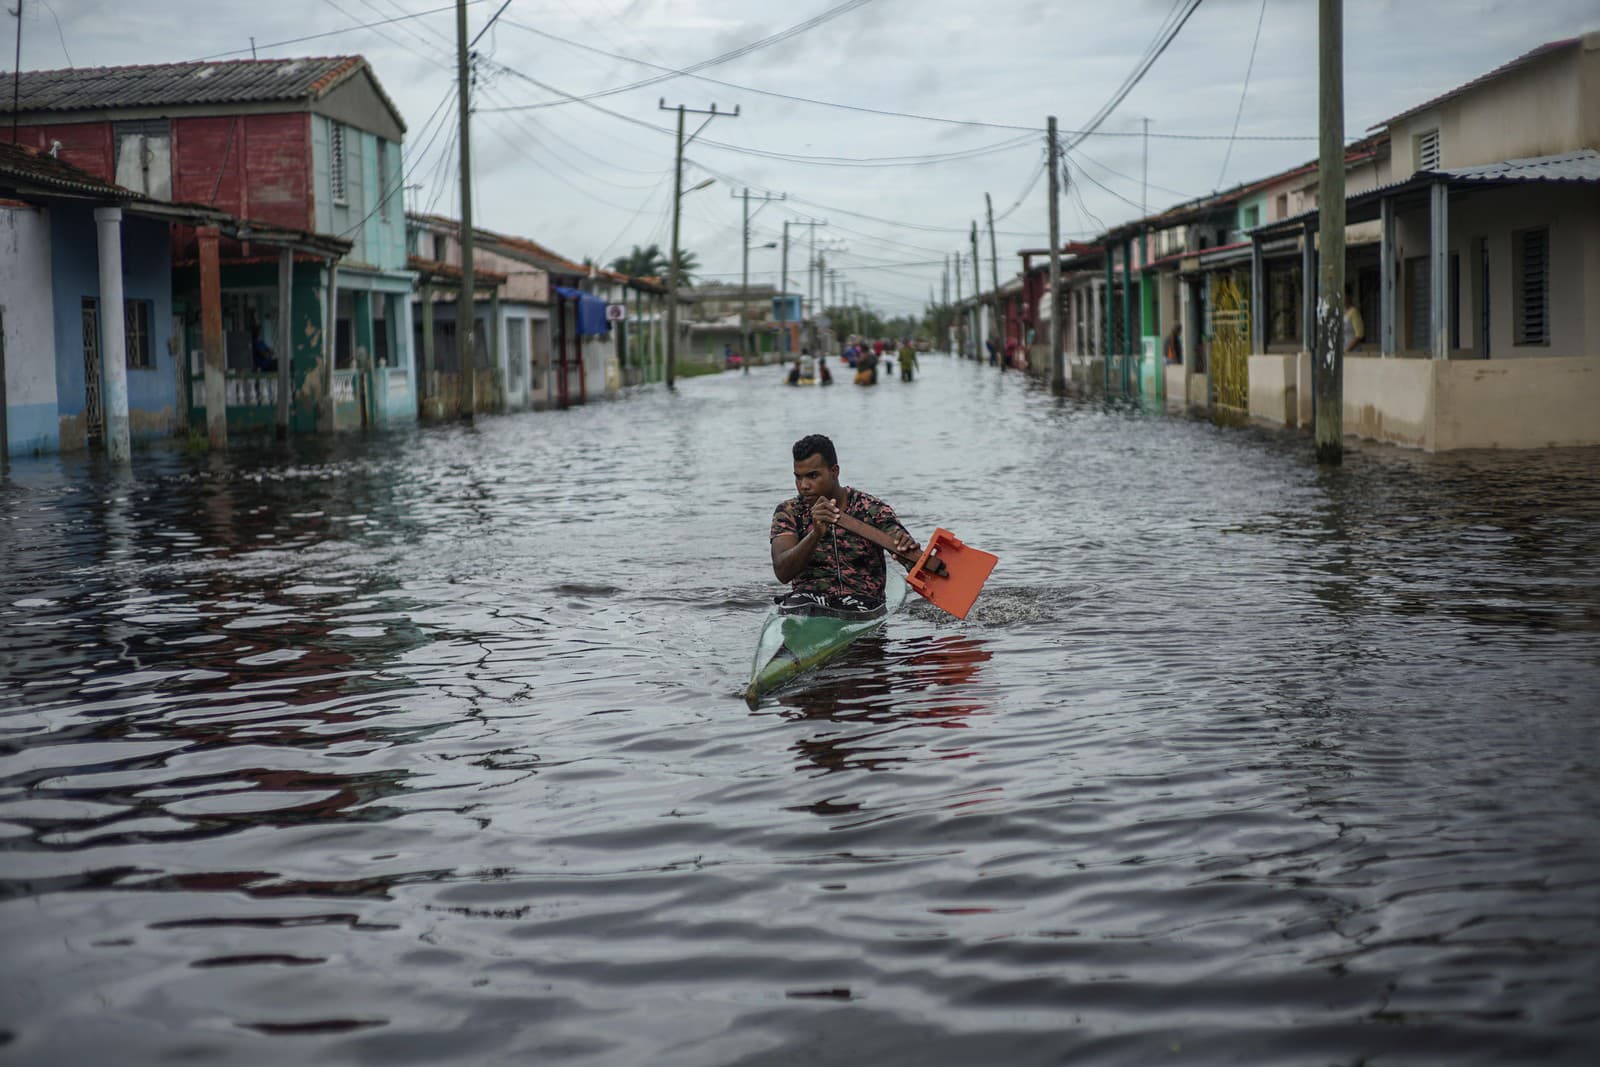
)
(824, 565)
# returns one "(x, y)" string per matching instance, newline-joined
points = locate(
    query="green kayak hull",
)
(792, 644)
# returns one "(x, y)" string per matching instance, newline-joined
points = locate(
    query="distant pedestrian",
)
(908, 361)
(1354, 329)
(994, 356)
(1174, 346)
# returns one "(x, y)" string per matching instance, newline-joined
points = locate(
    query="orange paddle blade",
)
(966, 569)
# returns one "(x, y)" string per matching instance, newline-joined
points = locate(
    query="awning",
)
(591, 311)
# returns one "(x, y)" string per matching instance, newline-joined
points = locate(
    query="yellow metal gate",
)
(1230, 342)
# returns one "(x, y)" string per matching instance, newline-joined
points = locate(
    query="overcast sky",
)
(589, 182)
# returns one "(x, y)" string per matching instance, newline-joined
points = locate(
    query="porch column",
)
(1107, 312)
(1439, 269)
(1308, 286)
(425, 384)
(362, 362)
(1191, 333)
(1128, 337)
(330, 345)
(1386, 307)
(113, 337)
(494, 348)
(285, 338)
(216, 382)
(1258, 303)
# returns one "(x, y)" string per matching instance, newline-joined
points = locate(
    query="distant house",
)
(305, 145)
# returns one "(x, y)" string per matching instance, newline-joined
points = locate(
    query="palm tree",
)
(651, 262)
(646, 262)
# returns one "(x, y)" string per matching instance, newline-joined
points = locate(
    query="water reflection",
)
(424, 746)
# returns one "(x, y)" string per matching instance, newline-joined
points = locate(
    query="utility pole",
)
(822, 284)
(16, 78)
(955, 321)
(744, 285)
(466, 311)
(1327, 363)
(811, 261)
(783, 292)
(1058, 363)
(677, 210)
(1144, 175)
(994, 273)
(977, 302)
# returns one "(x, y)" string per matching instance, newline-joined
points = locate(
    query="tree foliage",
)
(651, 262)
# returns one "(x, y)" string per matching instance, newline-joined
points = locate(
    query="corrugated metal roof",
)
(172, 84)
(1580, 166)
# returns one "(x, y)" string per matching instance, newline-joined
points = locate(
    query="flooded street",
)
(429, 747)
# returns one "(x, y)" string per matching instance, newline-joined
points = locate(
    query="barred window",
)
(336, 162)
(1532, 251)
(136, 316)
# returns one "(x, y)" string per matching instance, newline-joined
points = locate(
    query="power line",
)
(1164, 37)
(479, 35)
(1260, 18)
(862, 109)
(334, 33)
(717, 60)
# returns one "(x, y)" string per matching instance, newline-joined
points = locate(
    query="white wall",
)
(28, 310)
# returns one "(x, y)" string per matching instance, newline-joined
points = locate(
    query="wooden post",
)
(285, 338)
(216, 385)
(1128, 337)
(1439, 268)
(994, 274)
(330, 345)
(1058, 362)
(1327, 362)
(427, 387)
(466, 317)
(1386, 304)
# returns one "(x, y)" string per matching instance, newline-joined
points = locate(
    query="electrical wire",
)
(1243, 91)
(333, 33)
(400, 186)
(989, 124)
(1164, 38)
(725, 57)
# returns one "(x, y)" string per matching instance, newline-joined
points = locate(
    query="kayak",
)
(798, 641)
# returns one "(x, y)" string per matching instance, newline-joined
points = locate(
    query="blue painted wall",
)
(146, 275)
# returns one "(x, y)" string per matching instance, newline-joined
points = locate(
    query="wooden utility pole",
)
(677, 209)
(744, 285)
(783, 290)
(1327, 361)
(977, 302)
(955, 320)
(994, 273)
(466, 313)
(1058, 363)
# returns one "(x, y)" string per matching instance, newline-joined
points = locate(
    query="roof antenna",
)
(252, 48)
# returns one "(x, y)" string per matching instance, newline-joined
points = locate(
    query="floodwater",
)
(428, 747)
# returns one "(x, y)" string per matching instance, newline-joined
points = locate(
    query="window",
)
(1251, 217)
(1427, 149)
(1531, 251)
(136, 314)
(144, 157)
(336, 163)
(1418, 304)
(1283, 205)
(440, 245)
(1283, 302)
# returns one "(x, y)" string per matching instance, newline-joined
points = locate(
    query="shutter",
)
(1428, 150)
(336, 161)
(1418, 304)
(1533, 287)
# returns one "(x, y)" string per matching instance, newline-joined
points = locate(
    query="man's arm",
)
(790, 554)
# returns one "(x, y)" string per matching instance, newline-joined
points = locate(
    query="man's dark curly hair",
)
(814, 444)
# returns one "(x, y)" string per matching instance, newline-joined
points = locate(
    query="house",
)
(1485, 329)
(90, 332)
(309, 146)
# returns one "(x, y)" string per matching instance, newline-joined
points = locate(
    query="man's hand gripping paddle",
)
(948, 574)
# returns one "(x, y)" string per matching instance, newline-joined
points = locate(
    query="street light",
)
(702, 185)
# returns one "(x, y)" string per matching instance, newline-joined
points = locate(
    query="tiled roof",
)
(235, 81)
(24, 166)
(1580, 166)
(1503, 69)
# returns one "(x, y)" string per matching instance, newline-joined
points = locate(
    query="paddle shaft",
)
(884, 541)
